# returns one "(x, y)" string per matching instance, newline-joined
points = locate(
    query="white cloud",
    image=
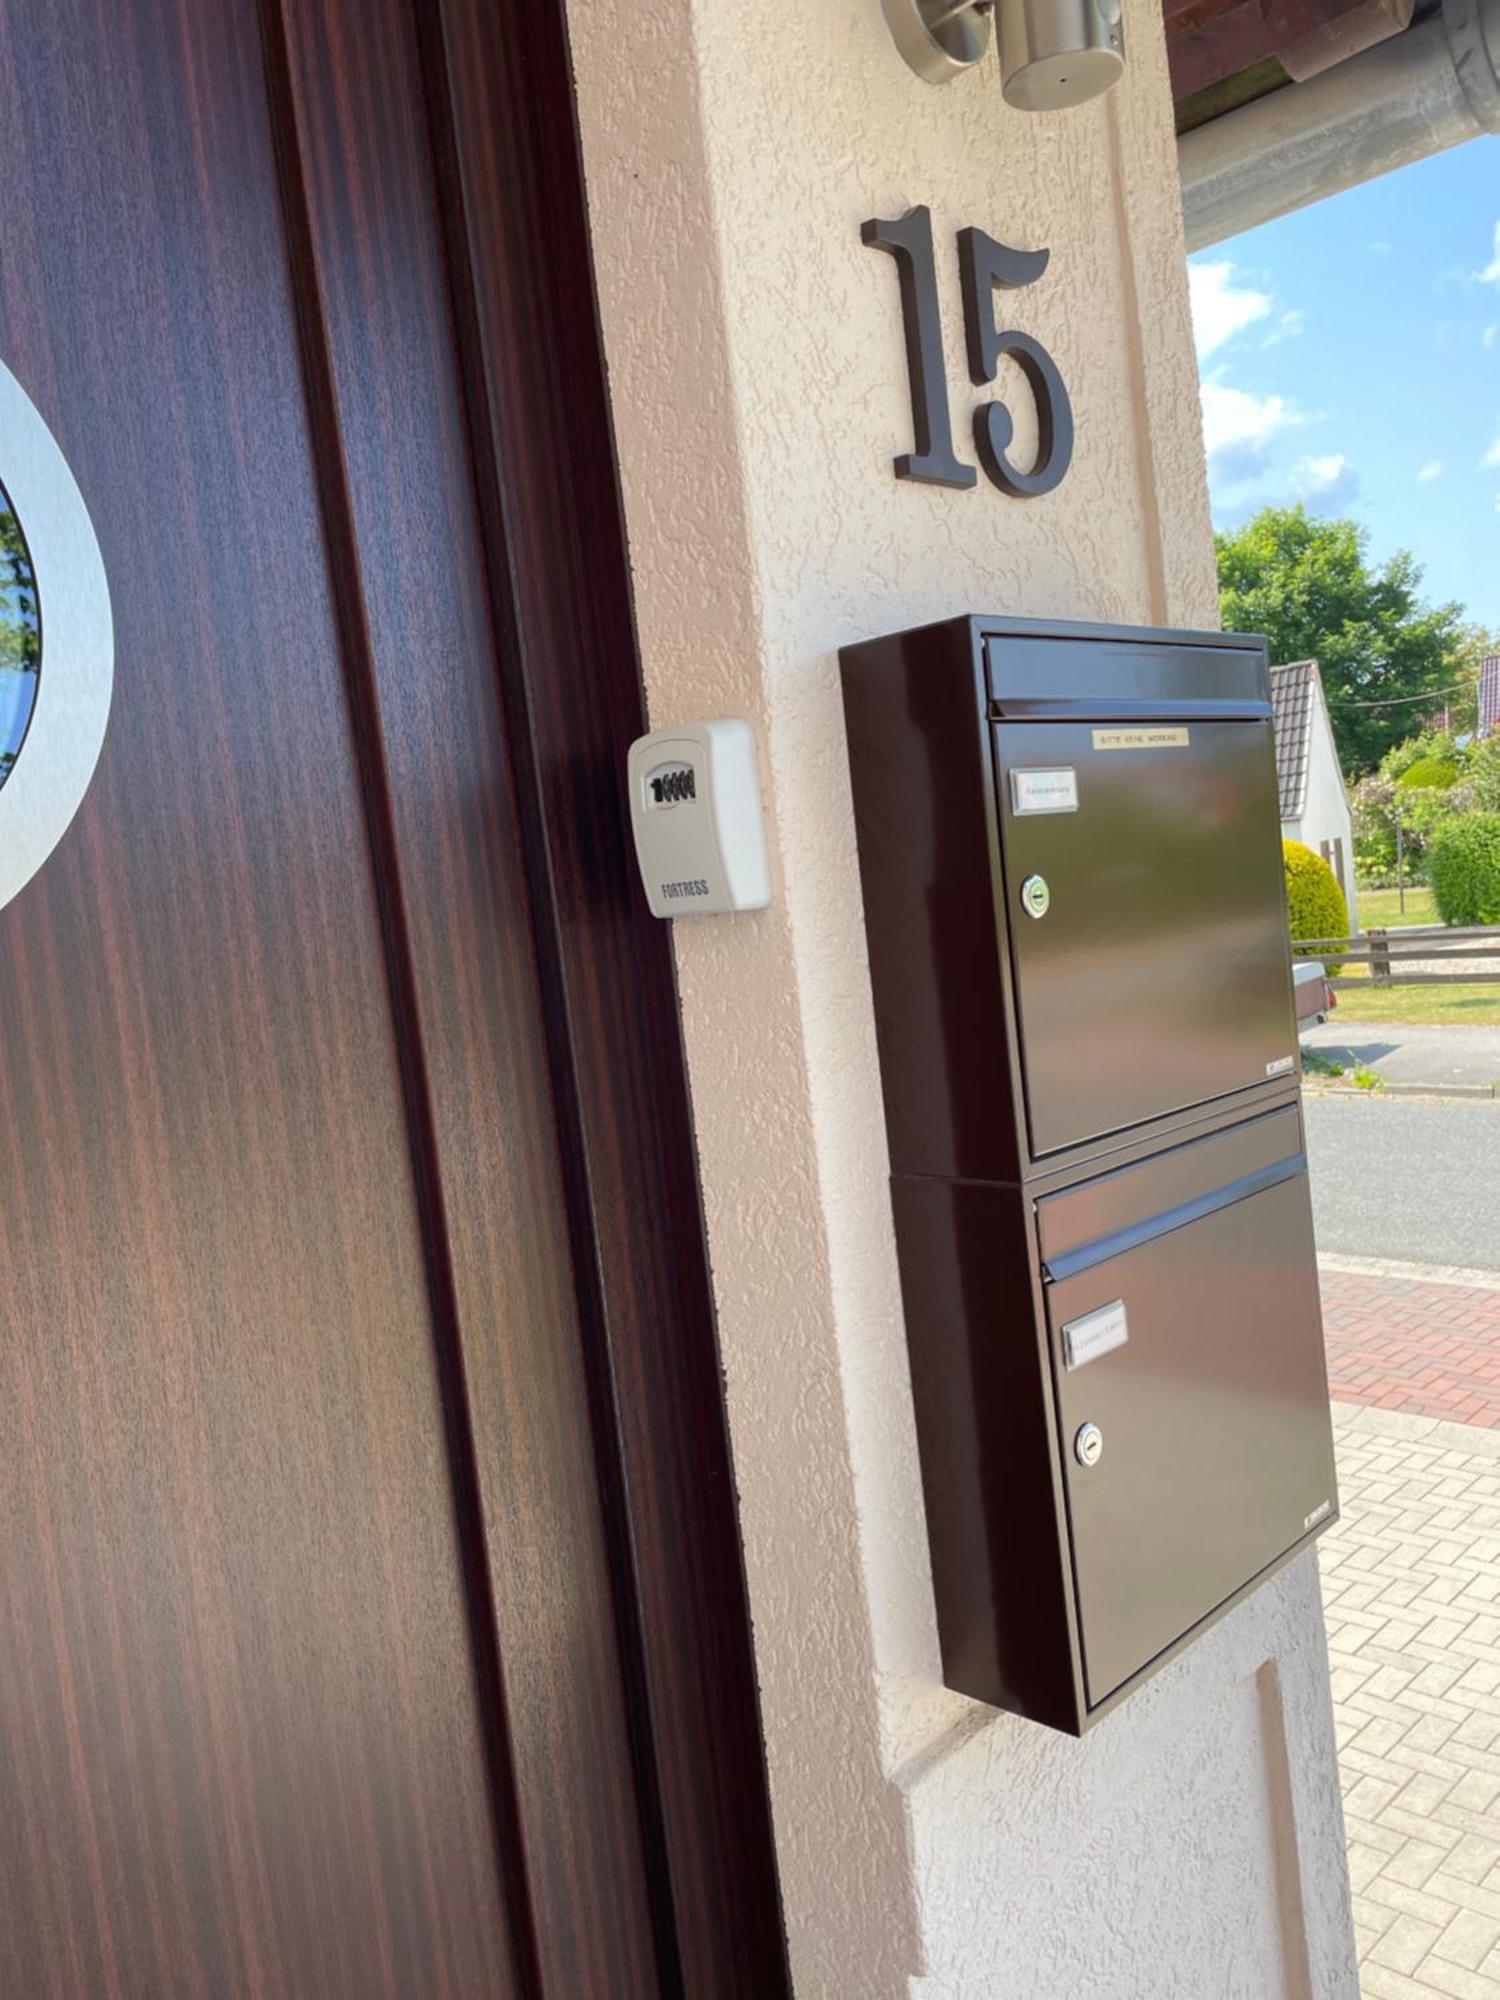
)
(1320, 472)
(1490, 335)
(1433, 469)
(1492, 456)
(1237, 421)
(1221, 306)
(1240, 425)
(1328, 481)
(1490, 275)
(1381, 249)
(1286, 328)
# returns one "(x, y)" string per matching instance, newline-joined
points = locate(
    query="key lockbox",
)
(1070, 848)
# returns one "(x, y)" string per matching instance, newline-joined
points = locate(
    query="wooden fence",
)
(1405, 957)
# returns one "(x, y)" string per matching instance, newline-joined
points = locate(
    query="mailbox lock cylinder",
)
(1088, 1444)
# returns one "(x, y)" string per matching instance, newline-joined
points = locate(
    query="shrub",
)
(1435, 745)
(1434, 771)
(1372, 804)
(1424, 810)
(1464, 869)
(1482, 774)
(1315, 902)
(1427, 811)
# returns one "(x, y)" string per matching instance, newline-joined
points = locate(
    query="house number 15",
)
(983, 264)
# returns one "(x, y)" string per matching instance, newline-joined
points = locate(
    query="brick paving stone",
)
(1414, 1643)
(1406, 1344)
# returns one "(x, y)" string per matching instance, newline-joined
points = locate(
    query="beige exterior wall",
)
(929, 1847)
(1326, 815)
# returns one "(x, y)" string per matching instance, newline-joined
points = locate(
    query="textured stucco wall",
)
(1192, 1846)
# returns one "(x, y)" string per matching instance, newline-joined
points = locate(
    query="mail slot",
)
(1070, 851)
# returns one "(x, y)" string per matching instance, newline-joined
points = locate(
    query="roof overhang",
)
(1282, 102)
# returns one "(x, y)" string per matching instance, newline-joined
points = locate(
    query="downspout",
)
(1429, 88)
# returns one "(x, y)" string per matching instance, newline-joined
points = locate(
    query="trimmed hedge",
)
(1315, 902)
(1434, 772)
(1463, 867)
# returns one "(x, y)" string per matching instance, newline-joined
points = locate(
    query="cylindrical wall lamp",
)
(1053, 53)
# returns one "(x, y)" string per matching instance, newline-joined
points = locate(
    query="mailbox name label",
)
(1098, 1332)
(1045, 791)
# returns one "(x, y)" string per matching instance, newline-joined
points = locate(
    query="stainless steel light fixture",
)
(940, 39)
(1053, 53)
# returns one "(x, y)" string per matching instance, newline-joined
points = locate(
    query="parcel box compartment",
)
(1207, 1391)
(1059, 1584)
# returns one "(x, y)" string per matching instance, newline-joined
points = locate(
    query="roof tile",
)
(1292, 704)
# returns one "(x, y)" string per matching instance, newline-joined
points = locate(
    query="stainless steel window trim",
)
(47, 784)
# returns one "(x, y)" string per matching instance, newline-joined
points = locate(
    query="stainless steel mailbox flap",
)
(1104, 1248)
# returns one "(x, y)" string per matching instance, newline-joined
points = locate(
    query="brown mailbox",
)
(1071, 854)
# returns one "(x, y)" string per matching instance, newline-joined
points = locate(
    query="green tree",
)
(1390, 662)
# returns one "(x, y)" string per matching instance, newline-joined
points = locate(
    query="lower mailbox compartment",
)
(1166, 1313)
(1213, 1414)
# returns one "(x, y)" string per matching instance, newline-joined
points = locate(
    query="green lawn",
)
(1378, 908)
(1412, 1006)
(1416, 1006)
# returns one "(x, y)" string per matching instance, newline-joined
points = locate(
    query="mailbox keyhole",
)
(1088, 1445)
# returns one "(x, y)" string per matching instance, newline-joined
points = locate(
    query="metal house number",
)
(984, 264)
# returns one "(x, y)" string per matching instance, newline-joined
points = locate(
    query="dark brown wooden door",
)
(336, 1643)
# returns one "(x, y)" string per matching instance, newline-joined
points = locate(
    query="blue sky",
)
(1350, 357)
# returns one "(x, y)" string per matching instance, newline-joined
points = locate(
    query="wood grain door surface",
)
(319, 1669)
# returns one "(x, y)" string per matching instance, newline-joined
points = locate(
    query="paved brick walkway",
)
(1404, 1344)
(1411, 1581)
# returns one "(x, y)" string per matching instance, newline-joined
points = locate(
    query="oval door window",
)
(56, 641)
(20, 637)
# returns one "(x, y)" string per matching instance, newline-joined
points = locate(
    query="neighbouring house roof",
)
(1294, 702)
(1489, 696)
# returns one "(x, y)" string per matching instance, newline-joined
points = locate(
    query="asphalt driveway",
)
(1415, 1178)
(1414, 1055)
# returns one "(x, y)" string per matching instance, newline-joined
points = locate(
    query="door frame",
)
(503, 123)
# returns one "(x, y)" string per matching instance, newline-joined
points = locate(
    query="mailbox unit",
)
(1070, 848)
